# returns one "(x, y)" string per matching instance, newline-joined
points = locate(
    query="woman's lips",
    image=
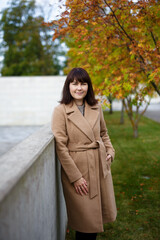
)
(79, 93)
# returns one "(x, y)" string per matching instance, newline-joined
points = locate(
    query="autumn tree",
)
(118, 43)
(28, 46)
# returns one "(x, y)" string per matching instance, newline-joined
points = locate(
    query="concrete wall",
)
(29, 100)
(31, 200)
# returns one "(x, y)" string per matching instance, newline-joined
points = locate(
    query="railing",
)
(32, 206)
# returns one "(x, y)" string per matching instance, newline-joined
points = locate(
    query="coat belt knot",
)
(74, 147)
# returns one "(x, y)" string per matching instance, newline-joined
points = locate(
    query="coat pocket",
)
(108, 166)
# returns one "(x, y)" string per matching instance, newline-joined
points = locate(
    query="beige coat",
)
(82, 144)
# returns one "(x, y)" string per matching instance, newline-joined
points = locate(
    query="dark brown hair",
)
(80, 75)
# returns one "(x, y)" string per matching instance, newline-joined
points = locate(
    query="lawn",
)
(135, 171)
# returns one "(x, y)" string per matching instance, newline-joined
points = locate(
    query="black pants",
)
(85, 236)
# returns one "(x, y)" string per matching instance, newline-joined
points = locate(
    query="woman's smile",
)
(79, 93)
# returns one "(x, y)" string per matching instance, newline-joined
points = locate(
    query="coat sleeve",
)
(105, 137)
(58, 126)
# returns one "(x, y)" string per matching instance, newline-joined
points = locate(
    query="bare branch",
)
(140, 115)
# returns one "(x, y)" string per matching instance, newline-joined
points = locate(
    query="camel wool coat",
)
(82, 144)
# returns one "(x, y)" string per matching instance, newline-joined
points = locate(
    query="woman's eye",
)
(76, 83)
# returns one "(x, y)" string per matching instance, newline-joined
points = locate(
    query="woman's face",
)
(78, 90)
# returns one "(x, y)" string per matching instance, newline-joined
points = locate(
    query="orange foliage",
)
(116, 41)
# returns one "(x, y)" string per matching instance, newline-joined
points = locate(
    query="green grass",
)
(135, 171)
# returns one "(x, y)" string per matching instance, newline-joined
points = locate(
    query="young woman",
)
(85, 152)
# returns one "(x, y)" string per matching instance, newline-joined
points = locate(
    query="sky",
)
(49, 7)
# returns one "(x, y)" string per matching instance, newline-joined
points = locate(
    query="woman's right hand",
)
(81, 186)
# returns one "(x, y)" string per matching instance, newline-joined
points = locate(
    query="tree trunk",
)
(110, 101)
(122, 113)
(129, 111)
(134, 121)
(111, 110)
(135, 131)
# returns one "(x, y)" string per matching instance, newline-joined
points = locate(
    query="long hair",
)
(80, 75)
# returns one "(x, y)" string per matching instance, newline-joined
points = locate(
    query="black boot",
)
(85, 236)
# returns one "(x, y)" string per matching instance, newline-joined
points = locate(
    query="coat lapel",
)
(84, 123)
(91, 114)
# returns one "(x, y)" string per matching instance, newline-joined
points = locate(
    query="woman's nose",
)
(79, 86)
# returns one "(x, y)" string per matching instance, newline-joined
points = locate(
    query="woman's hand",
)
(108, 159)
(81, 186)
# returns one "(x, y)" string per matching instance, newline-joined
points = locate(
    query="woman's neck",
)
(78, 102)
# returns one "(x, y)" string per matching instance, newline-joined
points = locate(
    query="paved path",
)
(154, 115)
(153, 110)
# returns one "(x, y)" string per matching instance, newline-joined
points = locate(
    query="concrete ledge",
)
(19, 159)
(31, 198)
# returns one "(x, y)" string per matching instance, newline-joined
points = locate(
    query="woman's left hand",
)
(81, 186)
(108, 159)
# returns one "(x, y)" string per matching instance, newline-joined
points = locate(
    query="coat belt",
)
(73, 147)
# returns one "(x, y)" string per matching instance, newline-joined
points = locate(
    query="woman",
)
(85, 152)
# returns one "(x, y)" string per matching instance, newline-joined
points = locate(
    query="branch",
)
(96, 5)
(154, 40)
(155, 87)
(132, 41)
(140, 115)
(122, 28)
(128, 112)
(137, 111)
